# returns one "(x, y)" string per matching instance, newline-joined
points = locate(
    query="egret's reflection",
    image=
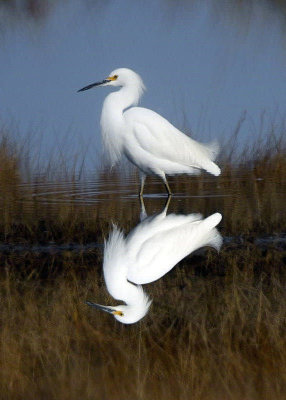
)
(147, 253)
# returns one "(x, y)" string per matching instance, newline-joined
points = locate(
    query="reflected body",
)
(148, 140)
(149, 252)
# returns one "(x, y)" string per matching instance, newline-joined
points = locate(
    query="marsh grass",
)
(216, 328)
(74, 206)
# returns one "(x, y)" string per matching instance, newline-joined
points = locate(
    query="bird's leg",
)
(167, 204)
(143, 213)
(167, 186)
(142, 181)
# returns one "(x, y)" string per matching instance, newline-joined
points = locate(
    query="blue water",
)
(205, 65)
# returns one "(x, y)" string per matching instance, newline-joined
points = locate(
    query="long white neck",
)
(137, 302)
(112, 119)
(125, 97)
(118, 285)
(115, 269)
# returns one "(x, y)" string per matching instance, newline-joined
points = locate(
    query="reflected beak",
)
(94, 84)
(100, 307)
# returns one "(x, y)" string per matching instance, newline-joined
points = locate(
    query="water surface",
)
(79, 213)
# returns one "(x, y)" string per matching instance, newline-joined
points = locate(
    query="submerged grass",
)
(217, 325)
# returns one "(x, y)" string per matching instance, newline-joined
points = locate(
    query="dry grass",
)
(209, 335)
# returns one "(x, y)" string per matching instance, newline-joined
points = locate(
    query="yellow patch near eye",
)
(118, 313)
(112, 78)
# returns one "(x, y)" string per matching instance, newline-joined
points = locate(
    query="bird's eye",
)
(115, 77)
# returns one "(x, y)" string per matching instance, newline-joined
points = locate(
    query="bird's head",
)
(126, 314)
(119, 77)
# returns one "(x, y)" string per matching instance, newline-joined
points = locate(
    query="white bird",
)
(148, 140)
(149, 252)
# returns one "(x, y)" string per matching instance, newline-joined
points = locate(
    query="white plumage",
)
(149, 252)
(148, 140)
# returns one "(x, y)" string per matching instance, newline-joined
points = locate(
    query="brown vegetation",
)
(216, 330)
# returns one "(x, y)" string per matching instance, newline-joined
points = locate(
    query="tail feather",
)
(214, 238)
(204, 155)
(212, 149)
(213, 220)
(212, 168)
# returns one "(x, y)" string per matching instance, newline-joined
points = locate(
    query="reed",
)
(216, 329)
(59, 206)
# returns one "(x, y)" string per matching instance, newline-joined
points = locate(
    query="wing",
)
(160, 253)
(151, 226)
(157, 136)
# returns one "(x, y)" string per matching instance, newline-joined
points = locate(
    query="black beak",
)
(93, 85)
(103, 308)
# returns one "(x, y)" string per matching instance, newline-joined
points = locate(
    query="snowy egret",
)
(149, 252)
(148, 140)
